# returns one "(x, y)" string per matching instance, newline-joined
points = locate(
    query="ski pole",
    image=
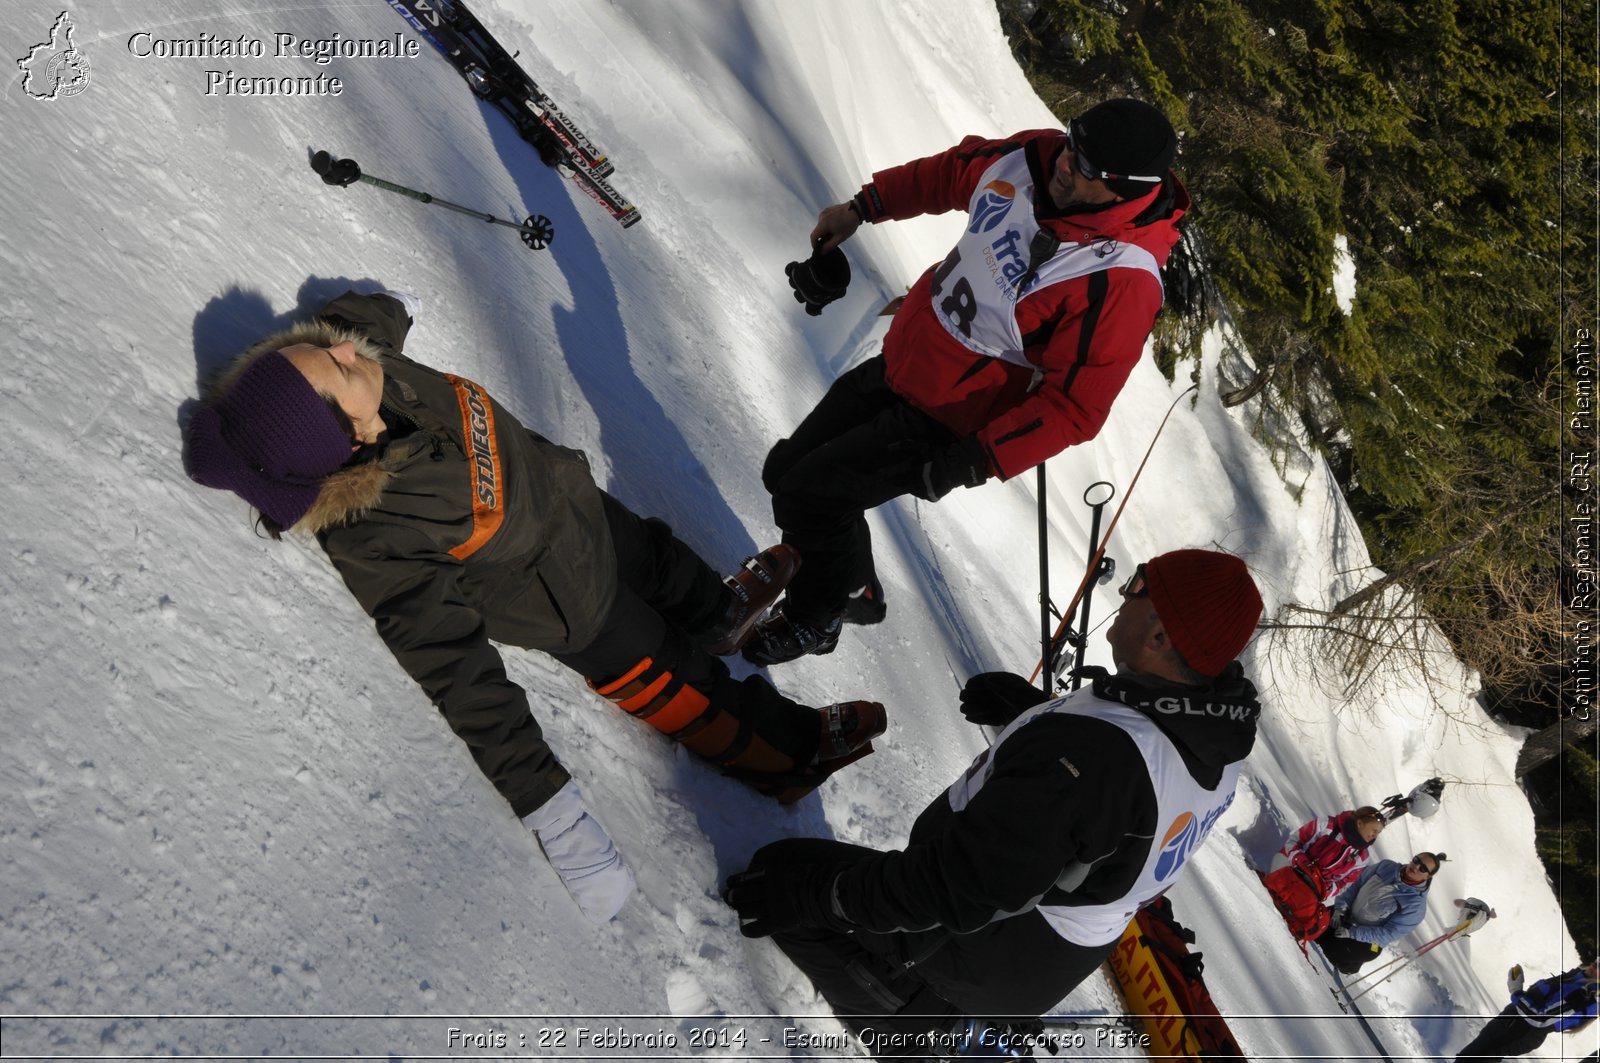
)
(1357, 996)
(1436, 942)
(1102, 569)
(1404, 961)
(536, 230)
(1094, 561)
(1077, 637)
(1046, 680)
(1424, 948)
(1381, 967)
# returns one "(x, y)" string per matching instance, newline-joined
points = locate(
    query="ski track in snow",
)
(218, 794)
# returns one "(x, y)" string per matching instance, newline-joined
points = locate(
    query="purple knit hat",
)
(270, 439)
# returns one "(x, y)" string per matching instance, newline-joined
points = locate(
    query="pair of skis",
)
(494, 76)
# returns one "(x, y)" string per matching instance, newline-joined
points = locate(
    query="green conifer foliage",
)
(1431, 136)
(1449, 142)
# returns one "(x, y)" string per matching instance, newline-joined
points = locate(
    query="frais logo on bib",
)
(992, 207)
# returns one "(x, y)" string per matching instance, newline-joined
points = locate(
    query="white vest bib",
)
(1185, 814)
(975, 288)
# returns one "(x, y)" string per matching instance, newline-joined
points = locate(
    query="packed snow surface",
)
(229, 824)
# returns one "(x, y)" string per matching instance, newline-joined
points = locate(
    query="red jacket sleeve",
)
(1302, 837)
(938, 183)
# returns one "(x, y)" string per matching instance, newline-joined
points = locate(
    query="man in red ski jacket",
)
(1010, 350)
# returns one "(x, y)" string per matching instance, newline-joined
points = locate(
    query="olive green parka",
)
(460, 529)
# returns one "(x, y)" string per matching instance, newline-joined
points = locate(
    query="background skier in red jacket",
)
(1010, 350)
(1337, 846)
(1313, 867)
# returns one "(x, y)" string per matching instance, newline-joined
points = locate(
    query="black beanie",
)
(1127, 137)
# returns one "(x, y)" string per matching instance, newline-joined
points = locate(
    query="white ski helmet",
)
(1421, 803)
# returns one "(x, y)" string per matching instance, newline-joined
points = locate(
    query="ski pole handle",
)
(1097, 560)
(340, 172)
(412, 193)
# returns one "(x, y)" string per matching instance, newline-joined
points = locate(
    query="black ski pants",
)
(1346, 954)
(898, 991)
(860, 447)
(668, 600)
(1507, 1034)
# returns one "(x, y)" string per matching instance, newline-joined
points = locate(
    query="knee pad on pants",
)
(691, 717)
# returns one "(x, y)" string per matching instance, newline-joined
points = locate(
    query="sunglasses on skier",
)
(1419, 864)
(1136, 587)
(1089, 169)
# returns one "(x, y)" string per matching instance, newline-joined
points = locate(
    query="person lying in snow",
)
(455, 528)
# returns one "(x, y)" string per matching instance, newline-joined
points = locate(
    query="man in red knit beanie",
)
(1017, 881)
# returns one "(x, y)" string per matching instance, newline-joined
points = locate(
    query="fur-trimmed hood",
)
(345, 495)
(460, 498)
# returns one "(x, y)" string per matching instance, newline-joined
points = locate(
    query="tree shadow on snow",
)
(1262, 838)
(653, 469)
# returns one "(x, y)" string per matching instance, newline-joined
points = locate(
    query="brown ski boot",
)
(848, 729)
(757, 584)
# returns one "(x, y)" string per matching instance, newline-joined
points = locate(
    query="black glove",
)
(994, 699)
(780, 898)
(963, 463)
(341, 172)
(819, 280)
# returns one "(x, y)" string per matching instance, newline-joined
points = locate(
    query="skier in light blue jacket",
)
(1385, 904)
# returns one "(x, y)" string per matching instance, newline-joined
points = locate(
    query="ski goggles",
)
(1089, 169)
(1137, 586)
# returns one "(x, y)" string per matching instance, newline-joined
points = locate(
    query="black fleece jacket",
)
(1066, 792)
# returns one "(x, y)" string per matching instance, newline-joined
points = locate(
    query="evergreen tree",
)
(1431, 135)
(1447, 142)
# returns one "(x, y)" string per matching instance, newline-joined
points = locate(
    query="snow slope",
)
(230, 825)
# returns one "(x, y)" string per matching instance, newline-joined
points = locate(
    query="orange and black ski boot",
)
(848, 729)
